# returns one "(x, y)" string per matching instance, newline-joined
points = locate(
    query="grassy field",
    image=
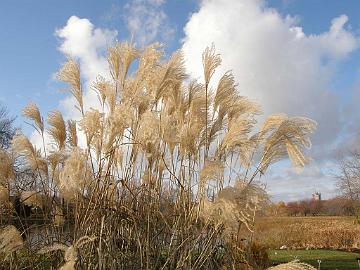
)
(332, 233)
(330, 260)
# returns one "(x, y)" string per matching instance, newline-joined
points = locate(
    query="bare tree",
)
(7, 129)
(349, 176)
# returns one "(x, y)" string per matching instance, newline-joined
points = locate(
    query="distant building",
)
(316, 196)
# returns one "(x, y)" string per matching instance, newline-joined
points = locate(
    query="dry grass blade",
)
(51, 248)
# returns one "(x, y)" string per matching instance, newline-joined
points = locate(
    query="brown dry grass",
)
(321, 232)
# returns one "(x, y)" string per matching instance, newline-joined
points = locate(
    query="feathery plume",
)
(71, 252)
(241, 106)
(73, 140)
(4, 194)
(148, 71)
(192, 90)
(10, 240)
(31, 111)
(212, 171)
(286, 136)
(106, 90)
(57, 129)
(211, 61)
(70, 74)
(91, 124)
(169, 130)
(75, 174)
(100, 85)
(120, 119)
(120, 58)
(117, 122)
(237, 139)
(6, 168)
(22, 146)
(225, 92)
(149, 133)
(272, 123)
(174, 74)
(31, 198)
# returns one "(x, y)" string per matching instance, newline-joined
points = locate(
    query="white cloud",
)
(274, 61)
(87, 44)
(284, 184)
(278, 65)
(147, 22)
(81, 40)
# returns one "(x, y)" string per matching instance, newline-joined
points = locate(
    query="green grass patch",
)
(330, 259)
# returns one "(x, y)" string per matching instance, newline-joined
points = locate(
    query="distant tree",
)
(7, 129)
(276, 209)
(334, 206)
(281, 208)
(315, 207)
(304, 207)
(293, 208)
(349, 181)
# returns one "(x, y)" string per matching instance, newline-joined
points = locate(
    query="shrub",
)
(166, 178)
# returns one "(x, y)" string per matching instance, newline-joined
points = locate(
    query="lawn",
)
(330, 260)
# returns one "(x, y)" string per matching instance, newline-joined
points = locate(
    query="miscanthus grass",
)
(168, 176)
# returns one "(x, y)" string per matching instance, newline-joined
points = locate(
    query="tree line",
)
(337, 206)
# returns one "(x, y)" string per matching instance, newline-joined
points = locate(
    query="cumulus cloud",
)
(82, 41)
(146, 21)
(279, 66)
(285, 185)
(274, 61)
(87, 44)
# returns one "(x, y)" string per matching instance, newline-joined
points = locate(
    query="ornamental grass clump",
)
(169, 172)
(10, 240)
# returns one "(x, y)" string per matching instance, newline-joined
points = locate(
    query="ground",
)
(330, 259)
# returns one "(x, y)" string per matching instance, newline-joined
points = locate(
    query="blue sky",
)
(28, 48)
(281, 36)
